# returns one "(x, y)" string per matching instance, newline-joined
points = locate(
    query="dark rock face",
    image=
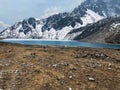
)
(27, 30)
(32, 21)
(61, 20)
(26, 25)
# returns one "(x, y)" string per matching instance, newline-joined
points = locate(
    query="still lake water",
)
(60, 43)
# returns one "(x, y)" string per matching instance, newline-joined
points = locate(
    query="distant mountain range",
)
(90, 20)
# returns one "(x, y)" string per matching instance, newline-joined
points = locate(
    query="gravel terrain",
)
(25, 67)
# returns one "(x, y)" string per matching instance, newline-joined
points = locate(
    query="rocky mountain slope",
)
(104, 31)
(59, 25)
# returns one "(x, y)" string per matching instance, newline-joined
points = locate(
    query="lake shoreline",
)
(60, 43)
(18, 44)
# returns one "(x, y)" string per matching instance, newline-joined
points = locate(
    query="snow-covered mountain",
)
(59, 25)
(104, 31)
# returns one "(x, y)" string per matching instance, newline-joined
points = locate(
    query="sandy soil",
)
(58, 68)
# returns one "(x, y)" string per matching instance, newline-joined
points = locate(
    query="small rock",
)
(9, 51)
(65, 64)
(84, 55)
(110, 65)
(38, 71)
(70, 88)
(77, 56)
(118, 67)
(100, 55)
(73, 68)
(118, 60)
(55, 65)
(109, 68)
(7, 64)
(16, 71)
(33, 55)
(94, 66)
(83, 67)
(91, 79)
(70, 77)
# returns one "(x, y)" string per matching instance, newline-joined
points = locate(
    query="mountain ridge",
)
(59, 25)
(103, 31)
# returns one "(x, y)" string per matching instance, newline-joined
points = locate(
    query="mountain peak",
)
(102, 7)
(59, 25)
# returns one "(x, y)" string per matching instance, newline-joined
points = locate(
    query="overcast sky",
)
(12, 11)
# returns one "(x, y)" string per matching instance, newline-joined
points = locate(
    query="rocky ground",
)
(58, 68)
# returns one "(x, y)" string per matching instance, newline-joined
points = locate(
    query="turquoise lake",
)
(62, 43)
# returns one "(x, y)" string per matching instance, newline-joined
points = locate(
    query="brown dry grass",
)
(58, 68)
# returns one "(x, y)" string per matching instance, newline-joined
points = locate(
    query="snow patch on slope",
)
(63, 32)
(91, 17)
(72, 36)
(52, 34)
(115, 25)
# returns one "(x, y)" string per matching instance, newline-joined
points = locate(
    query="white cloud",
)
(4, 25)
(51, 11)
